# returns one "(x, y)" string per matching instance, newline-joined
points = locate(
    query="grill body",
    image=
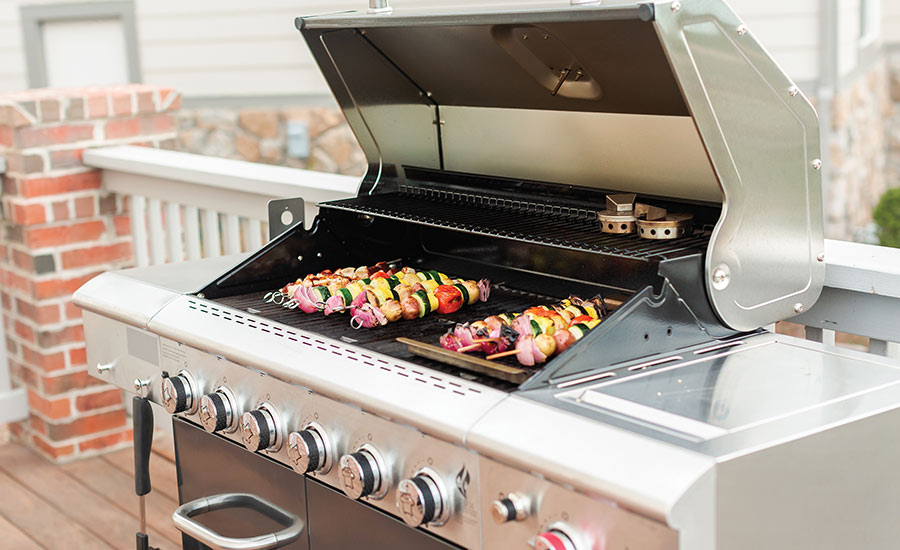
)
(677, 423)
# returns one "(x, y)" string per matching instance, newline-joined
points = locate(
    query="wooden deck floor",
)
(84, 505)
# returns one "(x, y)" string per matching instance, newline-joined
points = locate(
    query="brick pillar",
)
(60, 229)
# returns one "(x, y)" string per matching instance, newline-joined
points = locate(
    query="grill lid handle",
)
(184, 522)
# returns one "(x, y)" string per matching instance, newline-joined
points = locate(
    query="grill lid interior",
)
(589, 101)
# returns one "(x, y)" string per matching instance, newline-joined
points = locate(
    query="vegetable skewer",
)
(531, 336)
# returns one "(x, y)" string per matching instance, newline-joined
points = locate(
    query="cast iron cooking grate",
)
(527, 221)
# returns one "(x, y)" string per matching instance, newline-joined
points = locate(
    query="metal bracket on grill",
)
(284, 214)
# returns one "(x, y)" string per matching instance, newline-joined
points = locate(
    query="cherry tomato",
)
(449, 298)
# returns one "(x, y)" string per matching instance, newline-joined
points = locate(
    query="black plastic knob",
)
(215, 412)
(419, 500)
(360, 474)
(257, 430)
(176, 394)
(307, 451)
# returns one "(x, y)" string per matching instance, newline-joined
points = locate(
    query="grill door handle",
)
(184, 522)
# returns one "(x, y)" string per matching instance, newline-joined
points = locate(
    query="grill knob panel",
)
(308, 450)
(217, 411)
(363, 474)
(177, 394)
(514, 507)
(421, 499)
(260, 429)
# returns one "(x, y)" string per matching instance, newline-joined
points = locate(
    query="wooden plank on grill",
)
(69, 495)
(118, 488)
(41, 521)
(12, 538)
(162, 472)
(466, 361)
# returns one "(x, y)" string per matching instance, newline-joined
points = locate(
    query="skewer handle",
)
(503, 354)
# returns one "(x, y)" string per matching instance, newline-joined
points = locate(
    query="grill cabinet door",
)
(338, 523)
(209, 465)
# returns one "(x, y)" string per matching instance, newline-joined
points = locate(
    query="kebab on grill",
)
(410, 296)
(379, 294)
(531, 336)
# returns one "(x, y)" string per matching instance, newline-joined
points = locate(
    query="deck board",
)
(74, 498)
(12, 538)
(163, 478)
(41, 521)
(118, 487)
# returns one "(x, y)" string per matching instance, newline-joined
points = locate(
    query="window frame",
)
(33, 16)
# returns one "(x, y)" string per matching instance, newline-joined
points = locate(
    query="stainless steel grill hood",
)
(665, 99)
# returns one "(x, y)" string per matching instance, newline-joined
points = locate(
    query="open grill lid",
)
(671, 99)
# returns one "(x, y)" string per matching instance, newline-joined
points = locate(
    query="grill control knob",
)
(217, 411)
(514, 507)
(559, 536)
(363, 473)
(177, 393)
(260, 429)
(422, 499)
(308, 450)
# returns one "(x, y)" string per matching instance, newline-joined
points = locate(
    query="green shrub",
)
(887, 216)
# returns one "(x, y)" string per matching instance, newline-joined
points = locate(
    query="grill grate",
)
(383, 339)
(546, 224)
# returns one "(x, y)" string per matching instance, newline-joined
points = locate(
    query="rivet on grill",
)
(742, 30)
(821, 257)
(817, 164)
(201, 295)
(721, 277)
(676, 6)
(798, 308)
(793, 90)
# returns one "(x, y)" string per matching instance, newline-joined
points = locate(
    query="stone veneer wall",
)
(258, 135)
(861, 124)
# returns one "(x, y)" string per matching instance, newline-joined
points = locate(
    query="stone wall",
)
(858, 142)
(892, 171)
(259, 135)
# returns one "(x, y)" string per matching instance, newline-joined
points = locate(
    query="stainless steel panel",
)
(762, 137)
(645, 154)
(741, 390)
(833, 489)
(601, 523)
(119, 297)
(642, 474)
(435, 403)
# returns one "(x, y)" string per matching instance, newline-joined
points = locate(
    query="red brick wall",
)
(60, 229)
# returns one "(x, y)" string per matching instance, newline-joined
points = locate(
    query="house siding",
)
(234, 48)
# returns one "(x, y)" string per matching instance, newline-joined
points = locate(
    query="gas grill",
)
(650, 154)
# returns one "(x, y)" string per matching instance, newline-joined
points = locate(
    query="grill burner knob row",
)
(308, 450)
(422, 499)
(217, 411)
(178, 393)
(363, 473)
(260, 429)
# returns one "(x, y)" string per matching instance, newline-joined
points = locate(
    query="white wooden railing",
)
(186, 207)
